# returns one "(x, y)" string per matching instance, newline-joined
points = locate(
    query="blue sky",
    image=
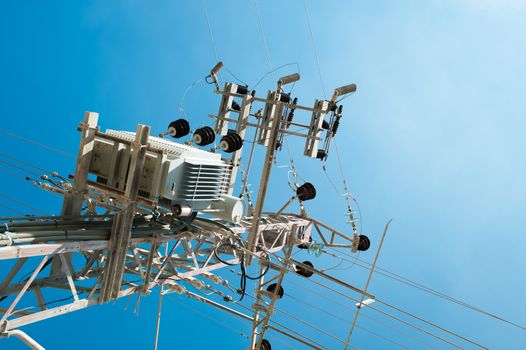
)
(434, 138)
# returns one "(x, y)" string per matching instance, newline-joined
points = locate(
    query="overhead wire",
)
(49, 148)
(276, 69)
(341, 172)
(208, 317)
(389, 274)
(225, 325)
(213, 44)
(263, 36)
(319, 329)
(377, 310)
(288, 328)
(20, 168)
(416, 327)
(310, 325)
(25, 163)
(23, 204)
(10, 173)
(12, 210)
(351, 309)
(314, 48)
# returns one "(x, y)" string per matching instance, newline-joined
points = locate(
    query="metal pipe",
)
(26, 339)
(366, 285)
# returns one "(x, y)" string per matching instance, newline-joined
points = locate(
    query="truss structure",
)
(110, 241)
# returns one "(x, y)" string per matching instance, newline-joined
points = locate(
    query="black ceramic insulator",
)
(272, 287)
(335, 126)
(284, 98)
(242, 90)
(364, 243)
(321, 154)
(236, 106)
(179, 128)
(231, 142)
(265, 345)
(206, 134)
(306, 192)
(304, 271)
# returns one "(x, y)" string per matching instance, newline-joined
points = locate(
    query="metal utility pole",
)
(134, 194)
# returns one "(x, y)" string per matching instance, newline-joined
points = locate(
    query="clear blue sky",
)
(434, 138)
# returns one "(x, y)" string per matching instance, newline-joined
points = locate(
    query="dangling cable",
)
(269, 61)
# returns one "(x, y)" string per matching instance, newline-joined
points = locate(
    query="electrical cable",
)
(11, 209)
(23, 204)
(263, 36)
(49, 148)
(214, 48)
(25, 163)
(348, 322)
(314, 48)
(407, 323)
(276, 69)
(20, 168)
(18, 176)
(381, 271)
(330, 335)
(387, 314)
(288, 329)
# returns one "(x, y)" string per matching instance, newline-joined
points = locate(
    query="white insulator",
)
(182, 210)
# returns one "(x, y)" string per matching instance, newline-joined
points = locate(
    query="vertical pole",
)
(72, 204)
(265, 177)
(73, 200)
(244, 112)
(121, 230)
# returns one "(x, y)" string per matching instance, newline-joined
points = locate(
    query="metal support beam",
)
(26, 339)
(121, 230)
(74, 198)
(274, 119)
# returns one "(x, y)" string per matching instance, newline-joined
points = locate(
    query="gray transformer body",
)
(174, 174)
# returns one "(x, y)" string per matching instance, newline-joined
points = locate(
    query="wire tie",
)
(10, 235)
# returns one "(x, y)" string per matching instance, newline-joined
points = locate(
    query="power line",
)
(18, 176)
(314, 48)
(335, 316)
(263, 36)
(383, 337)
(212, 41)
(384, 272)
(25, 163)
(208, 317)
(23, 204)
(375, 309)
(20, 168)
(324, 311)
(288, 328)
(11, 209)
(49, 148)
